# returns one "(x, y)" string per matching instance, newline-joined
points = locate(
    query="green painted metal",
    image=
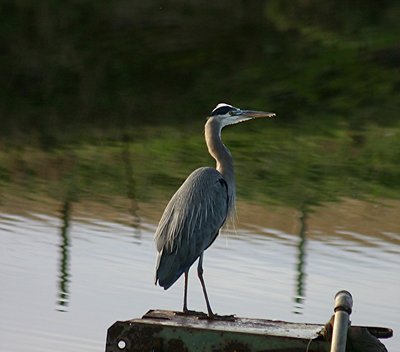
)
(172, 331)
(168, 331)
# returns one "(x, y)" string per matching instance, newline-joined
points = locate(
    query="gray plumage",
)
(199, 208)
(190, 223)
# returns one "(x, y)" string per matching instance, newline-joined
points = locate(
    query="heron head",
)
(229, 115)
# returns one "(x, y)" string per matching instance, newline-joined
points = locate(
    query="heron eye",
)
(235, 112)
(222, 110)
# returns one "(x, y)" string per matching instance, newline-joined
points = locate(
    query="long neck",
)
(222, 156)
(218, 150)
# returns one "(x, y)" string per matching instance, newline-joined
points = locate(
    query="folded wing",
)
(190, 223)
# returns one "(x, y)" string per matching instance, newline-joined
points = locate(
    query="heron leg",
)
(200, 274)
(185, 308)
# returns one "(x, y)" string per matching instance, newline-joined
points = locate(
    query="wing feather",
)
(190, 223)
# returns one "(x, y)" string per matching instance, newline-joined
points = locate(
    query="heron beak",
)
(256, 114)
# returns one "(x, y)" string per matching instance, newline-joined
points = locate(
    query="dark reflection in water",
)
(113, 276)
(300, 270)
(64, 264)
(131, 187)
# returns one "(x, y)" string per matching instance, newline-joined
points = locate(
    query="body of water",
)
(68, 272)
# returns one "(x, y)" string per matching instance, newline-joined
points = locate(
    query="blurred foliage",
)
(81, 69)
(99, 97)
(273, 165)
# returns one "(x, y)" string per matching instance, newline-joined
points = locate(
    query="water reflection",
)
(131, 187)
(300, 264)
(64, 261)
(113, 276)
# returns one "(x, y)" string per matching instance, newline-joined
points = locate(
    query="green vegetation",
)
(74, 70)
(273, 165)
(89, 89)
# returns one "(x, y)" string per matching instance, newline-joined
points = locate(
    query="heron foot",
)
(192, 312)
(204, 316)
(230, 317)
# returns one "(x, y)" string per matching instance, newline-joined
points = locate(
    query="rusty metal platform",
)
(169, 331)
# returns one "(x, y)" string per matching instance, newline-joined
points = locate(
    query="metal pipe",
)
(343, 306)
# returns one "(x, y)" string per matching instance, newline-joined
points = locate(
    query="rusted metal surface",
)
(168, 331)
(360, 338)
(235, 324)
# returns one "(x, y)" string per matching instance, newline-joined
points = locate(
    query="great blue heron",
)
(194, 215)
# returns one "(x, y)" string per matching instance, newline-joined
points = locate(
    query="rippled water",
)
(66, 279)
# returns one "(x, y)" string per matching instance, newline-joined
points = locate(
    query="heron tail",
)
(168, 269)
